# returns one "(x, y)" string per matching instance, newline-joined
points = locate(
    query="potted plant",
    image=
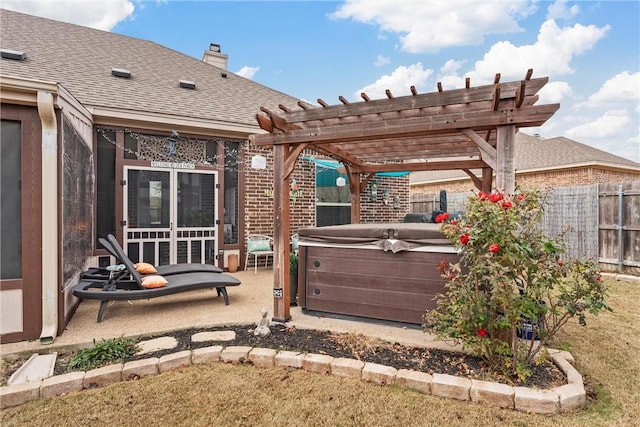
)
(293, 278)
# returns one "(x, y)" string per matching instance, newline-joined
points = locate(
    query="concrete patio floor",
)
(204, 309)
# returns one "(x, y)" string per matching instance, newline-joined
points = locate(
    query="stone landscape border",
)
(558, 399)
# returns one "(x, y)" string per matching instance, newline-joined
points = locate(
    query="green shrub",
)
(510, 272)
(293, 263)
(109, 351)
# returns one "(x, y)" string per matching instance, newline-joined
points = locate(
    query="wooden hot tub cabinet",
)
(346, 269)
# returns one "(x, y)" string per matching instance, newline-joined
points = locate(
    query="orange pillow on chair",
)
(151, 282)
(145, 268)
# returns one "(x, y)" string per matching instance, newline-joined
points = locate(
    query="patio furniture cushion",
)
(259, 245)
(155, 281)
(145, 268)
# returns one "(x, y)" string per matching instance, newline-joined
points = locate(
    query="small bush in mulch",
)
(102, 353)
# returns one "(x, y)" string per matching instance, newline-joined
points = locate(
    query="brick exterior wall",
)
(553, 178)
(259, 204)
(259, 207)
(379, 211)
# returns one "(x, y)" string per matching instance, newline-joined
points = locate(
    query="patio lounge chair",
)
(101, 273)
(128, 284)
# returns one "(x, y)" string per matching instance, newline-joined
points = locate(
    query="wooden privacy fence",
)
(425, 203)
(603, 221)
(574, 211)
(619, 227)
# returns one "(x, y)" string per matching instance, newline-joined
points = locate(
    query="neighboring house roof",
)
(80, 59)
(537, 154)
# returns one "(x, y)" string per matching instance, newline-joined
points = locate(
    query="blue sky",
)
(590, 50)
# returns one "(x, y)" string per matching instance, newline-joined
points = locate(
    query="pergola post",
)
(505, 171)
(487, 179)
(281, 225)
(354, 188)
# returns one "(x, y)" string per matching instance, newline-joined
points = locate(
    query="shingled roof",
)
(81, 59)
(534, 153)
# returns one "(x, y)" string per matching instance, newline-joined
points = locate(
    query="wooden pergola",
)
(469, 128)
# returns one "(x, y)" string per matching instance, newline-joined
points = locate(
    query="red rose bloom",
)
(482, 195)
(520, 197)
(464, 239)
(454, 222)
(506, 205)
(493, 248)
(442, 217)
(495, 197)
(482, 332)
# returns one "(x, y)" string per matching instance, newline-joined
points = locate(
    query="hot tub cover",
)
(388, 236)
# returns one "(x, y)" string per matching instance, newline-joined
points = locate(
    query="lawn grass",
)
(607, 353)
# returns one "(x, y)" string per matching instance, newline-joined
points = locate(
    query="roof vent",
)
(214, 47)
(13, 54)
(187, 84)
(121, 72)
(223, 75)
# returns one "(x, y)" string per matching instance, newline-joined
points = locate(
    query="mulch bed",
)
(354, 346)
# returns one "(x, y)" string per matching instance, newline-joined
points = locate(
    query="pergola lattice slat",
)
(411, 102)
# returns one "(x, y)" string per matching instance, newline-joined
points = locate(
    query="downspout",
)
(49, 218)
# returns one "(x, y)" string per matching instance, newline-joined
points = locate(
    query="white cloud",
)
(451, 66)
(633, 143)
(559, 10)
(452, 81)
(382, 60)
(428, 26)
(609, 124)
(621, 88)
(399, 82)
(248, 72)
(635, 140)
(554, 92)
(99, 14)
(550, 55)
(448, 75)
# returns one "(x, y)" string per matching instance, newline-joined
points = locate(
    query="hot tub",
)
(380, 271)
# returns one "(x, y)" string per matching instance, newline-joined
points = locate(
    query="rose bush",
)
(510, 273)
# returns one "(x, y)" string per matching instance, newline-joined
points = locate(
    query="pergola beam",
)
(410, 157)
(411, 127)
(425, 166)
(292, 157)
(488, 151)
(264, 123)
(476, 181)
